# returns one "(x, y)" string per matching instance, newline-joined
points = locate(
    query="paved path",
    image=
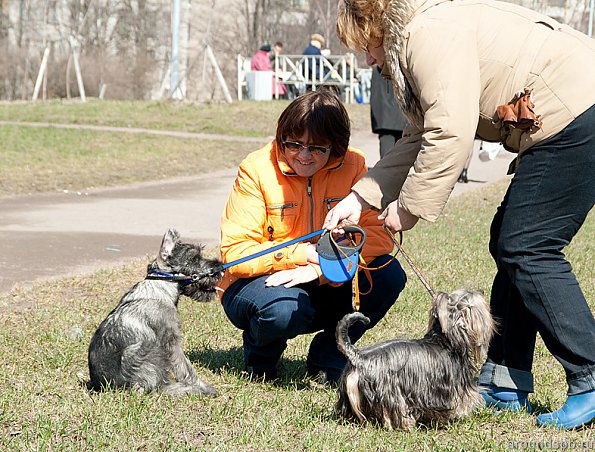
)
(52, 235)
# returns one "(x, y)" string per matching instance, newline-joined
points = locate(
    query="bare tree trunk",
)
(326, 14)
(257, 25)
(141, 47)
(256, 22)
(248, 22)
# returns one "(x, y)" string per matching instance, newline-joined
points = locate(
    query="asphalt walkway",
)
(52, 235)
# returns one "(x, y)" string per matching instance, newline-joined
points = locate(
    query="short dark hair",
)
(321, 115)
(278, 44)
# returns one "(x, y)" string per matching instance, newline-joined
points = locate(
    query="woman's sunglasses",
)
(295, 148)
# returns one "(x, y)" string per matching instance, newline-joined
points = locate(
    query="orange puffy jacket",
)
(269, 204)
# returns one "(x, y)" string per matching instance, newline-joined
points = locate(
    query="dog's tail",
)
(342, 335)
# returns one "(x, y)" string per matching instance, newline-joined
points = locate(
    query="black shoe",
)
(324, 376)
(267, 375)
(463, 177)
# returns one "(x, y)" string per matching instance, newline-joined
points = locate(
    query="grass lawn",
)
(49, 159)
(39, 159)
(45, 330)
(246, 118)
(45, 333)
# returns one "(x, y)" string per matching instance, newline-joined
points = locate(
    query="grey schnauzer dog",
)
(138, 345)
(400, 382)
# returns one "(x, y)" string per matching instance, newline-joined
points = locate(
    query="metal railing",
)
(310, 71)
(300, 73)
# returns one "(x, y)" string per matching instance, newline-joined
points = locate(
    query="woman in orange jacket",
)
(284, 191)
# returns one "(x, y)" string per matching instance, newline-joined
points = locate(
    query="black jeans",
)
(535, 290)
(269, 316)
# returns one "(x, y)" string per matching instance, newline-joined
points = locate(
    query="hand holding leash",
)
(396, 218)
(349, 210)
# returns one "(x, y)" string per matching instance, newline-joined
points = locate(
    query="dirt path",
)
(52, 235)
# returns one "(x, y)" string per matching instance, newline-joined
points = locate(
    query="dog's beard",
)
(188, 259)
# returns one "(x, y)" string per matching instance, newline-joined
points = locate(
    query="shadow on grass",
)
(292, 372)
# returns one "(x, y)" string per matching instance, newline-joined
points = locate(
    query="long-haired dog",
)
(400, 382)
(138, 345)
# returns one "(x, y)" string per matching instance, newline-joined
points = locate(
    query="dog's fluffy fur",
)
(401, 382)
(138, 345)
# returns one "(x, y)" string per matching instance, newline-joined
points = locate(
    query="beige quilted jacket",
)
(453, 63)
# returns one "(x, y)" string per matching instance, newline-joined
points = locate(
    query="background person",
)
(315, 66)
(489, 151)
(387, 120)
(261, 61)
(276, 51)
(283, 191)
(456, 80)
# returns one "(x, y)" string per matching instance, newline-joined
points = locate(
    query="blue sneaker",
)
(578, 410)
(506, 398)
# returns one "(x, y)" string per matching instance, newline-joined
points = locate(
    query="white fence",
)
(300, 73)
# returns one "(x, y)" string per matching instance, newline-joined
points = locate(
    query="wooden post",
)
(239, 61)
(77, 68)
(42, 68)
(218, 74)
(276, 78)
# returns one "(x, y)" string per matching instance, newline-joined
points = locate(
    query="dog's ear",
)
(481, 324)
(167, 245)
(441, 301)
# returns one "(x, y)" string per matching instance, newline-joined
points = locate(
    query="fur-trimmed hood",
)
(398, 15)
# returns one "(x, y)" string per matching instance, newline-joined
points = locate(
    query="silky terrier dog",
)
(400, 382)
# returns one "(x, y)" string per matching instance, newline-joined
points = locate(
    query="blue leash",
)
(184, 279)
(274, 248)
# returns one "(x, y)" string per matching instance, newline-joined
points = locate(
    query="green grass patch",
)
(41, 159)
(46, 159)
(246, 118)
(44, 405)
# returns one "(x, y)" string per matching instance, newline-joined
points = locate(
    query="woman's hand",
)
(289, 278)
(311, 254)
(349, 210)
(396, 218)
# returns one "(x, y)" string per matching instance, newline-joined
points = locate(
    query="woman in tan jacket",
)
(483, 69)
(284, 191)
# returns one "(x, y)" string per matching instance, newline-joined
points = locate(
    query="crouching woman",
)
(284, 191)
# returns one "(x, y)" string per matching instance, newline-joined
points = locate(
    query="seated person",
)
(284, 191)
(261, 62)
